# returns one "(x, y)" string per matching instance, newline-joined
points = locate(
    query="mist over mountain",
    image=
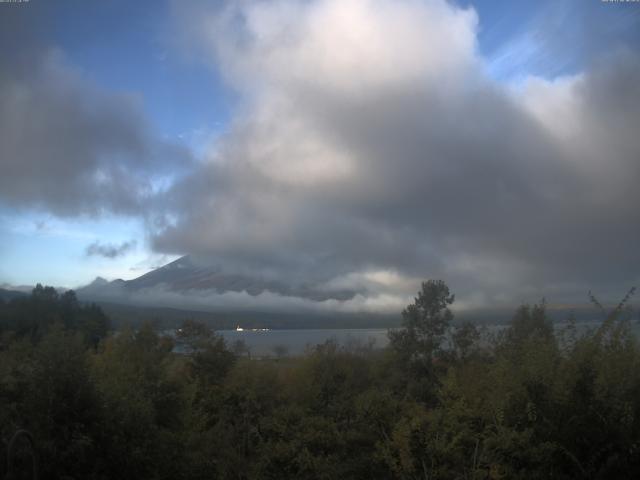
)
(191, 278)
(198, 288)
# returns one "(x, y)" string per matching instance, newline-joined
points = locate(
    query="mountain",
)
(191, 284)
(7, 295)
(188, 276)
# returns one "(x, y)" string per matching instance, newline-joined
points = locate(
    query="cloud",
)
(108, 250)
(371, 138)
(266, 301)
(68, 146)
(372, 147)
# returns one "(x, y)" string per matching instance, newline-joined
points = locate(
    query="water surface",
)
(295, 342)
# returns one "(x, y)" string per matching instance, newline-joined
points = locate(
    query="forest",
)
(444, 400)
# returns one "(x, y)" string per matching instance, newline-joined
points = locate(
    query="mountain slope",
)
(7, 295)
(187, 276)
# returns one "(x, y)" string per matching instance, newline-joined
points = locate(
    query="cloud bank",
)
(371, 139)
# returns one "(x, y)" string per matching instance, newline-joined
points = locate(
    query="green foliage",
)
(425, 322)
(529, 323)
(465, 338)
(440, 403)
(32, 317)
(417, 347)
(47, 390)
(142, 406)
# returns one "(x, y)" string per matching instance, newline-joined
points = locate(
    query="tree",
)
(465, 337)
(194, 335)
(142, 405)
(425, 322)
(60, 405)
(210, 359)
(530, 323)
(417, 346)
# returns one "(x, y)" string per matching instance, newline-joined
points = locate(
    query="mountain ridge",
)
(186, 275)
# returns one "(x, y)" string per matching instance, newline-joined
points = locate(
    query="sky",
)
(358, 144)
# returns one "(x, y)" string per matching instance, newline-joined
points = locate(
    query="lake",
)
(295, 342)
(264, 343)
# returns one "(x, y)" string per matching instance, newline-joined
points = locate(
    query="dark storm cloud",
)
(108, 250)
(398, 154)
(66, 145)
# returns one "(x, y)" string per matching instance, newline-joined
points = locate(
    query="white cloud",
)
(353, 47)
